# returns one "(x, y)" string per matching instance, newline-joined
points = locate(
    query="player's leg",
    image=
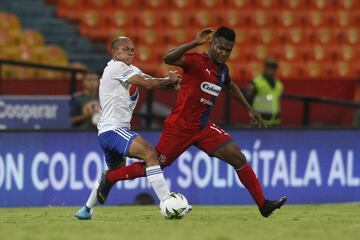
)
(113, 160)
(216, 142)
(139, 148)
(170, 145)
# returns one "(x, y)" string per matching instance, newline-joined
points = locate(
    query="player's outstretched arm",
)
(238, 96)
(149, 82)
(176, 55)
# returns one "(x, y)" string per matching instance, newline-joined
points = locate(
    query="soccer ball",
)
(174, 206)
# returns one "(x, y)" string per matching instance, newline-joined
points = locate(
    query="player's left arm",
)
(238, 96)
(174, 86)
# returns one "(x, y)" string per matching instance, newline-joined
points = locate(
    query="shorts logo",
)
(210, 88)
(162, 158)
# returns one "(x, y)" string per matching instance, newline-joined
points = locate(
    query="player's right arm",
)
(176, 55)
(149, 82)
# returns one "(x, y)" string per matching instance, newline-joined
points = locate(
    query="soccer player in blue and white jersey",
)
(118, 93)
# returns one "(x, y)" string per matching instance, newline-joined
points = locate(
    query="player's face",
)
(125, 52)
(220, 49)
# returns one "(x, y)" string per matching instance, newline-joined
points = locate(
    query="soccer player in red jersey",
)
(205, 74)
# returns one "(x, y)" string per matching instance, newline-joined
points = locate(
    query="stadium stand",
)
(313, 40)
(262, 25)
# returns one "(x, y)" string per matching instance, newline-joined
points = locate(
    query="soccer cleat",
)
(84, 213)
(103, 189)
(270, 206)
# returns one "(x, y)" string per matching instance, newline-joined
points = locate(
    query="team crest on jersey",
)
(210, 88)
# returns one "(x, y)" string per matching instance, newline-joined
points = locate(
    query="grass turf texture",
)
(338, 221)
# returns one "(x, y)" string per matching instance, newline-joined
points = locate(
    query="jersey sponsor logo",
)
(207, 102)
(210, 88)
(133, 92)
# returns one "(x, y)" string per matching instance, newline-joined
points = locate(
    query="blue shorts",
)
(115, 144)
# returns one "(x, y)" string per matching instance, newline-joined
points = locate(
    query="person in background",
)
(84, 105)
(264, 93)
(357, 100)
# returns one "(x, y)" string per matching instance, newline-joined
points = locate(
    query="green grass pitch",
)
(333, 221)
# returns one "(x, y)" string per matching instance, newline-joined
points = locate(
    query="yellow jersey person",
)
(264, 93)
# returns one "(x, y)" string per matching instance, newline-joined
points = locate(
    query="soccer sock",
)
(250, 181)
(156, 178)
(92, 200)
(134, 170)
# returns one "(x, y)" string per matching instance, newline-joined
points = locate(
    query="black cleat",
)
(270, 206)
(103, 189)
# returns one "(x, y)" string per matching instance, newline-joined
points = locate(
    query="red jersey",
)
(201, 85)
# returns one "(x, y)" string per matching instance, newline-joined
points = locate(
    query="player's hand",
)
(174, 76)
(256, 119)
(203, 36)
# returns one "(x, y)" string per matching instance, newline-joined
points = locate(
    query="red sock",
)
(250, 181)
(134, 170)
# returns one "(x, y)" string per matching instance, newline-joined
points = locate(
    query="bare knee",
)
(238, 159)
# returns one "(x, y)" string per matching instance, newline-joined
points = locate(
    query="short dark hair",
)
(226, 33)
(115, 43)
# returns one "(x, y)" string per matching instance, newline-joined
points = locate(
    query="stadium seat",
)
(322, 35)
(182, 4)
(243, 36)
(4, 40)
(33, 38)
(149, 18)
(294, 5)
(71, 9)
(236, 18)
(205, 18)
(104, 5)
(241, 4)
(9, 21)
(342, 18)
(289, 19)
(156, 5)
(126, 4)
(318, 53)
(260, 18)
(317, 19)
(144, 53)
(121, 18)
(321, 5)
(268, 4)
(94, 24)
(177, 36)
(349, 4)
(149, 36)
(177, 19)
(263, 36)
(346, 52)
(347, 35)
(212, 4)
(287, 52)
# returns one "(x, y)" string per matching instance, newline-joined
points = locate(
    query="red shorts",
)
(174, 141)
